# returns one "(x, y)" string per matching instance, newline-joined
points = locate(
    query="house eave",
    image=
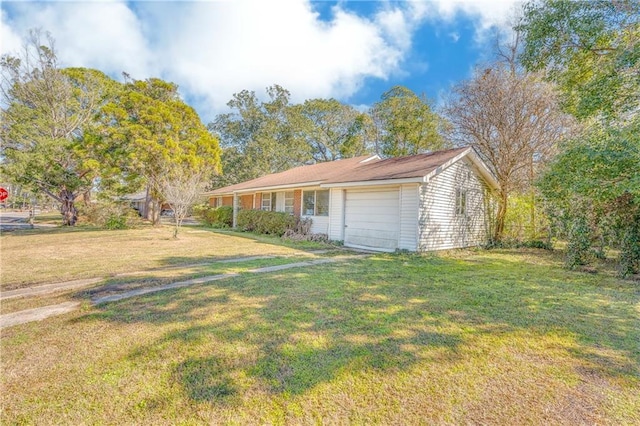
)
(373, 182)
(263, 189)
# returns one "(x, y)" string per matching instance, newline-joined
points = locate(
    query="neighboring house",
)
(138, 202)
(417, 203)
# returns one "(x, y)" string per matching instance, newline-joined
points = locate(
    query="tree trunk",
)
(500, 217)
(86, 197)
(152, 209)
(68, 208)
(155, 214)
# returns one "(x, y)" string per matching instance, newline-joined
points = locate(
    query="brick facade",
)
(246, 202)
(297, 202)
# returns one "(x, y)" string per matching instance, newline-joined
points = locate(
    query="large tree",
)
(514, 121)
(332, 130)
(405, 124)
(590, 48)
(159, 135)
(45, 117)
(258, 137)
(593, 188)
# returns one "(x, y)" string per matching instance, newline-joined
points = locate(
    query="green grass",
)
(143, 279)
(37, 256)
(472, 337)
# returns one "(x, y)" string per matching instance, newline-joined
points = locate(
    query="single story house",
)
(421, 202)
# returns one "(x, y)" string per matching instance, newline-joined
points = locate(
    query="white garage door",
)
(372, 219)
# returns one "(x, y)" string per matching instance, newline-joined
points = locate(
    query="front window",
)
(461, 202)
(315, 203)
(288, 202)
(309, 203)
(268, 201)
(322, 203)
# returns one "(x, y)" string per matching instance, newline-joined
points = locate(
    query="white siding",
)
(319, 224)
(409, 215)
(372, 218)
(336, 214)
(440, 226)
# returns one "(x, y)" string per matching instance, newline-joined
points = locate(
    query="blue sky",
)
(349, 50)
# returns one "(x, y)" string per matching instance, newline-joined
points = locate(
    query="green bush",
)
(220, 217)
(110, 215)
(578, 252)
(264, 222)
(630, 250)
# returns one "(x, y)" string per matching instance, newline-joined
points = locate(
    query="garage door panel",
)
(372, 224)
(374, 206)
(372, 219)
(361, 199)
(366, 233)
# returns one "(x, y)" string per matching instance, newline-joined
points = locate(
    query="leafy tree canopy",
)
(405, 124)
(590, 48)
(258, 137)
(593, 188)
(158, 134)
(333, 130)
(47, 113)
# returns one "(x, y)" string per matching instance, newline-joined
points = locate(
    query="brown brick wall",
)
(258, 200)
(212, 202)
(227, 201)
(297, 202)
(246, 202)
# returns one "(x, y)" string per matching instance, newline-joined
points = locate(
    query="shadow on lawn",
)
(292, 331)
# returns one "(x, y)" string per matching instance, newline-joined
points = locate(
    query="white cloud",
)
(102, 35)
(213, 49)
(10, 41)
(219, 49)
(487, 13)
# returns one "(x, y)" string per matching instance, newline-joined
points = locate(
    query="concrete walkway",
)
(38, 314)
(48, 288)
(204, 280)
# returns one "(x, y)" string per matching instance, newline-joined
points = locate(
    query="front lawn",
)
(499, 337)
(61, 254)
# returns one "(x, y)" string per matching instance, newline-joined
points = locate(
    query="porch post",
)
(235, 209)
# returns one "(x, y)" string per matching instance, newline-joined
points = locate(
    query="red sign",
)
(3, 194)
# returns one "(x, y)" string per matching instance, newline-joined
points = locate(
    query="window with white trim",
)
(461, 202)
(315, 203)
(288, 202)
(268, 201)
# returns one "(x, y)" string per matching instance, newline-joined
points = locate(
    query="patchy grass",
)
(150, 278)
(53, 255)
(48, 218)
(471, 337)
